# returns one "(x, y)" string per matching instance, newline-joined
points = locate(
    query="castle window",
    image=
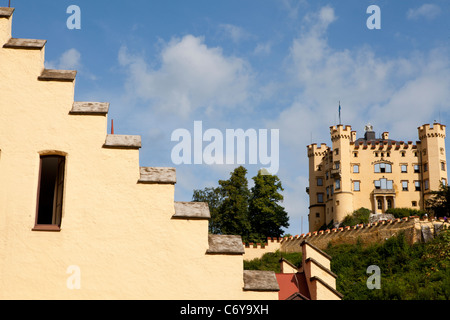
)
(417, 185)
(383, 168)
(403, 153)
(405, 185)
(328, 192)
(404, 168)
(355, 154)
(444, 181)
(425, 167)
(383, 184)
(442, 151)
(414, 203)
(50, 193)
(355, 168)
(337, 184)
(336, 152)
(320, 198)
(443, 166)
(317, 215)
(356, 186)
(379, 204)
(319, 181)
(416, 168)
(426, 184)
(388, 154)
(326, 175)
(389, 203)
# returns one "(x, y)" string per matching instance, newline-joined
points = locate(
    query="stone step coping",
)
(6, 12)
(158, 175)
(191, 210)
(117, 141)
(257, 280)
(15, 43)
(89, 108)
(57, 75)
(225, 244)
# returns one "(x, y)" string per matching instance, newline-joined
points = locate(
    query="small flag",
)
(340, 112)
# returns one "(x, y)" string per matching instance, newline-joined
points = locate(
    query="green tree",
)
(232, 213)
(439, 204)
(214, 198)
(358, 216)
(266, 215)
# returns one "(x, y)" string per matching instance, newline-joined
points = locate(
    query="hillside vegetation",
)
(408, 272)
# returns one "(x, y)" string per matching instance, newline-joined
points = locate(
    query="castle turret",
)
(433, 159)
(343, 197)
(316, 187)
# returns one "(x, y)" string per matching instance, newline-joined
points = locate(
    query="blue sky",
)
(253, 64)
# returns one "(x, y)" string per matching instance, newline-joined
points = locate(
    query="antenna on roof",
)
(9, 4)
(340, 112)
(112, 126)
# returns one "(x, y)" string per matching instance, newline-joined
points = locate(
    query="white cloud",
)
(263, 48)
(191, 76)
(237, 34)
(69, 60)
(428, 11)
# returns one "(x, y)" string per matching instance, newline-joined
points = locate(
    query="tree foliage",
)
(439, 204)
(405, 212)
(408, 272)
(358, 216)
(266, 215)
(253, 214)
(233, 211)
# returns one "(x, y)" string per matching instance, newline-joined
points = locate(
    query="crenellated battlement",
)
(415, 230)
(428, 131)
(341, 132)
(318, 151)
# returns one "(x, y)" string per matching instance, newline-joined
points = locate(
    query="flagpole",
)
(340, 112)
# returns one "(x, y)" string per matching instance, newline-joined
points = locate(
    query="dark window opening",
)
(50, 196)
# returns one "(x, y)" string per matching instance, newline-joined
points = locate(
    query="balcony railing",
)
(383, 191)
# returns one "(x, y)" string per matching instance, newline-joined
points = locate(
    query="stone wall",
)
(415, 230)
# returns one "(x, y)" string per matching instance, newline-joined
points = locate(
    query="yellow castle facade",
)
(79, 218)
(373, 173)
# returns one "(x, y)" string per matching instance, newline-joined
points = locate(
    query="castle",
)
(374, 173)
(79, 218)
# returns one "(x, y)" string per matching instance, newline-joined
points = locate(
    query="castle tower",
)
(343, 197)
(433, 158)
(317, 187)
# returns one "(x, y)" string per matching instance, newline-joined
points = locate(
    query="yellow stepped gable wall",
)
(118, 228)
(319, 278)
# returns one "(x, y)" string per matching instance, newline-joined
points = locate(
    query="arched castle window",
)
(383, 168)
(50, 192)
